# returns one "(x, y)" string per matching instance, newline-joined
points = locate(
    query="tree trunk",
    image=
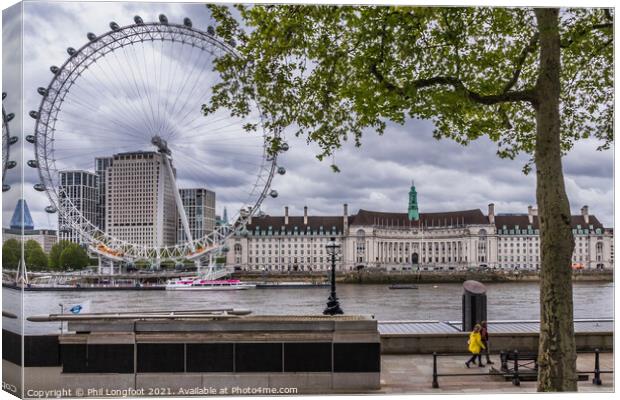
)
(556, 351)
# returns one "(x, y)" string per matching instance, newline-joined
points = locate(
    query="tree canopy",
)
(54, 257)
(73, 256)
(11, 253)
(331, 72)
(35, 257)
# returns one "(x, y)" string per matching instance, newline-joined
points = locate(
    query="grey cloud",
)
(376, 176)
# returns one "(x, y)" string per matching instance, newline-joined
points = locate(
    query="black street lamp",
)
(333, 306)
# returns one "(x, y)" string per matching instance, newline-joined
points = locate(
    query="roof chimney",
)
(492, 214)
(305, 215)
(285, 215)
(530, 214)
(584, 213)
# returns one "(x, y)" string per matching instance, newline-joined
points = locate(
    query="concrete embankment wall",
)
(457, 342)
(311, 354)
(380, 277)
(462, 276)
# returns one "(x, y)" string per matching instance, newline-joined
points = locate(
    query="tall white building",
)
(451, 240)
(101, 166)
(199, 205)
(78, 196)
(139, 204)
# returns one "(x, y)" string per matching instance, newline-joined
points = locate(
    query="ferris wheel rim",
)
(51, 108)
(6, 145)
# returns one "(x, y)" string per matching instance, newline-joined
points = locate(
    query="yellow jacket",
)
(475, 343)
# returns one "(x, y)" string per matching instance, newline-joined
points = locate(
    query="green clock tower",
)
(414, 214)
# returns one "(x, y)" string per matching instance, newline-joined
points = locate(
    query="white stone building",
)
(139, 204)
(79, 196)
(453, 240)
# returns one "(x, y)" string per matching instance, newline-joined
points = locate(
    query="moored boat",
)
(205, 284)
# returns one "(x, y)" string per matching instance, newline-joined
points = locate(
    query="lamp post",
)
(333, 306)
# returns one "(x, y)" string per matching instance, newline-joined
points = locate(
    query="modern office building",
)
(78, 195)
(139, 205)
(412, 240)
(101, 166)
(199, 205)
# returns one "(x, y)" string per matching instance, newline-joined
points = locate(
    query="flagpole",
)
(62, 311)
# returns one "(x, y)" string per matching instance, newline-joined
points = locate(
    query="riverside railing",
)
(515, 372)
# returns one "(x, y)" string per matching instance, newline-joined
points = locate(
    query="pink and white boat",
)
(205, 284)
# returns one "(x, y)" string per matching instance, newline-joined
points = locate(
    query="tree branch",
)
(504, 97)
(581, 33)
(529, 48)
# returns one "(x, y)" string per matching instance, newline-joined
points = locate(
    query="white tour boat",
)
(206, 284)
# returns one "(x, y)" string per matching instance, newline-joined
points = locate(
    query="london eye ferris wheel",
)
(140, 88)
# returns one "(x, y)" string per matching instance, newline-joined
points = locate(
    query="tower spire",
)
(413, 212)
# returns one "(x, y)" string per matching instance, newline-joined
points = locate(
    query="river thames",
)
(506, 301)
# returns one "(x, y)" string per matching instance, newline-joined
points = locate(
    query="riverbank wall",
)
(380, 277)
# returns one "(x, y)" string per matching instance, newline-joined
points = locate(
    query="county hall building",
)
(451, 240)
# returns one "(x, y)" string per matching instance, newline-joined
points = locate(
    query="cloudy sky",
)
(376, 176)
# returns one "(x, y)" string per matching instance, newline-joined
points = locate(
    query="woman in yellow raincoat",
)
(475, 346)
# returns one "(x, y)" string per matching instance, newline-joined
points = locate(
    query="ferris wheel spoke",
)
(112, 97)
(129, 130)
(171, 76)
(194, 93)
(92, 127)
(129, 112)
(137, 82)
(181, 88)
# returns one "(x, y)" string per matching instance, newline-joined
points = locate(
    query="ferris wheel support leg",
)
(22, 274)
(179, 202)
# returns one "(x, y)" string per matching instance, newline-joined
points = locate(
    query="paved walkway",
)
(414, 374)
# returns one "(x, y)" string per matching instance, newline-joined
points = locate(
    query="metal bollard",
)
(597, 369)
(515, 379)
(435, 382)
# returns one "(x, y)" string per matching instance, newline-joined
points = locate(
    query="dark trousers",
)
(473, 359)
(486, 350)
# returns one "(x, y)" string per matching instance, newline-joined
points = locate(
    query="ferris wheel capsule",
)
(210, 30)
(284, 147)
(39, 187)
(273, 193)
(42, 91)
(54, 69)
(163, 19)
(11, 164)
(3, 95)
(13, 140)
(91, 36)
(114, 26)
(50, 209)
(9, 117)
(232, 43)
(187, 22)
(6, 188)
(138, 20)
(71, 51)
(33, 163)
(34, 114)
(31, 139)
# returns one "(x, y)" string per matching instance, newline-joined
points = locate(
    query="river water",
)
(506, 301)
